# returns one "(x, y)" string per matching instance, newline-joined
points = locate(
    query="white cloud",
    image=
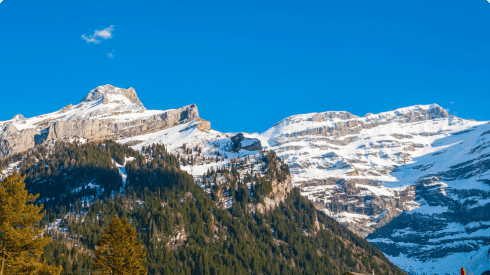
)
(104, 34)
(1, 1)
(90, 39)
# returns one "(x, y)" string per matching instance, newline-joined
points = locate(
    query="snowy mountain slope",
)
(190, 134)
(216, 148)
(417, 170)
(354, 147)
(369, 173)
(452, 225)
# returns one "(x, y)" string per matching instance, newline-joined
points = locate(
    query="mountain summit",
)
(109, 93)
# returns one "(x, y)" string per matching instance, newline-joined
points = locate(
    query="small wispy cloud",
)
(99, 34)
(111, 54)
(450, 102)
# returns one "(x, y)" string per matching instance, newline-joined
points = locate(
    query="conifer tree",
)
(118, 251)
(21, 241)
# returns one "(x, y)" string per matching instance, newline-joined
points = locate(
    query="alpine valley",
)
(318, 193)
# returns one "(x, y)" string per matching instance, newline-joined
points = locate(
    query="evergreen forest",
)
(181, 222)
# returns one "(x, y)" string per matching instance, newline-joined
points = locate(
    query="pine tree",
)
(21, 241)
(118, 251)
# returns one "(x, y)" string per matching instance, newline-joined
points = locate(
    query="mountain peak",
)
(413, 113)
(110, 94)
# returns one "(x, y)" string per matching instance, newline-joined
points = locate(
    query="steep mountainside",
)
(414, 181)
(418, 163)
(218, 226)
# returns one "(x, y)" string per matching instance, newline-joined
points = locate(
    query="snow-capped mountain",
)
(414, 181)
(418, 164)
(106, 112)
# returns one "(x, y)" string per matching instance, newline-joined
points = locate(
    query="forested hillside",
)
(183, 225)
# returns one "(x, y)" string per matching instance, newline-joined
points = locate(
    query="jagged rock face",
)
(106, 112)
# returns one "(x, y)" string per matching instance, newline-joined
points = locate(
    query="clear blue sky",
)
(248, 64)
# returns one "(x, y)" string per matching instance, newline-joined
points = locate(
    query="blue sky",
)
(248, 64)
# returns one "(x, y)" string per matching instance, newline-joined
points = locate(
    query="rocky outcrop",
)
(240, 142)
(203, 125)
(280, 190)
(67, 108)
(13, 141)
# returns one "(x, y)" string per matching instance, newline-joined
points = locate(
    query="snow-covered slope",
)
(370, 173)
(451, 227)
(417, 179)
(344, 146)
